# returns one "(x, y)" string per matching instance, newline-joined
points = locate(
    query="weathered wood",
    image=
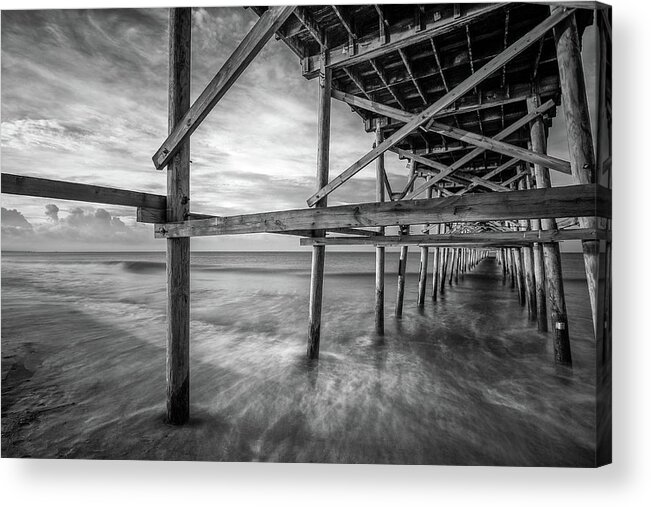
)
(519, 275)
(578, 200)
(287, 32)
(557, 312)
(56, 189)
(380, 175)
(318, 251)
(423, 117)
(402, 271)
(311, 25)
(395, 38)
(453, 264)
(438, 167)
(539, 277)
(487, 103)
(239, 60)
(487, 239)
(483, 143)
(520, 238)
(445, 254)
(498, 146)
(422, 272)
(528, 268)
(159, 216)
(579, 137)
(178, 207)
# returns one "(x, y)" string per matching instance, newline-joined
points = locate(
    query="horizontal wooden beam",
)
(270, 21)
(56, 189)
(423, 117)
(158, 216)
(473, 238)
(459, 178)
(492, 144)
(310, 24)
(483, 143)
(577, 200)
(400, 38)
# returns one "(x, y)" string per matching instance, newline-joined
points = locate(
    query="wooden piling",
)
(551, 251)
(422, 275)
(436, 261)
(178, 208)
(422, 272)
(445, 252)
(402, 268)
(380, 250)
(579, 136)
(528, 266)
(453, 263)
(539, 275)
(322, 170)
(519, 278)
(503, 263)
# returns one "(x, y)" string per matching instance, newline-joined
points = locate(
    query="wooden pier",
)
(466, 94)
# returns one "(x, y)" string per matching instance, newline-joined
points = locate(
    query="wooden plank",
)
(178, 207)
(310, 24)
(578, 200)
(380, 176)
(287, 32)
(579, 137)
(395, 37)
(498, 146)
(239, 60)
(410, 73)
(471, 238)
(345, 20)
(482, 142)
(56, 189)
(462, 179)
(423, 117)
(514, 127)
(318, 251)
(158, 216)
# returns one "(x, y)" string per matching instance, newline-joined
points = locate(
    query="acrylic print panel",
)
(401, 242)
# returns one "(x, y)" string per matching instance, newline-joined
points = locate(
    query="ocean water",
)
(467, 380)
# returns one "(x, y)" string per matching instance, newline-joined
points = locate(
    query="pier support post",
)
(517, 262)
(539, 274)
(551, 251)
(422, 272)
(322, 170)
(528, 265)
(579, 137)
(402, 268)
(178, 208)
(444, 255)
(380, 250)
(422, 275)
(453, 264)
(436, 261)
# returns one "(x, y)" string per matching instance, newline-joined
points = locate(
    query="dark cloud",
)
(14, 218)
(52, 212)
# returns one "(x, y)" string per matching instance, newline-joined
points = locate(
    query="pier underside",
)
(466, 95)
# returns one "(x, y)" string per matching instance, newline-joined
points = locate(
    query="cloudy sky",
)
(84, 99)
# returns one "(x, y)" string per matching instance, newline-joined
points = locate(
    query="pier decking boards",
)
(466, 93)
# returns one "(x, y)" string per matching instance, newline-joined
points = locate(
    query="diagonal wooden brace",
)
(239, 60)
(423, 117)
